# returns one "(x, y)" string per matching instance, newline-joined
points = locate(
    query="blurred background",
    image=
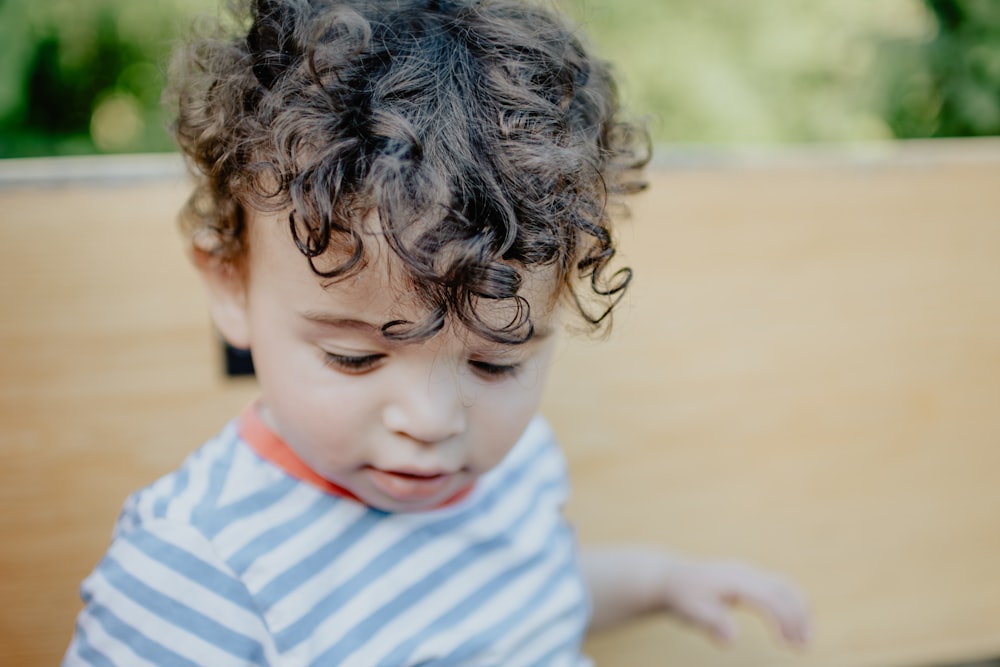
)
(85, 77)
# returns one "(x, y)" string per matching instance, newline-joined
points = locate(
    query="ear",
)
(225, 285)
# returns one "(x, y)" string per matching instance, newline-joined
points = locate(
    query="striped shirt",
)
(232, 561)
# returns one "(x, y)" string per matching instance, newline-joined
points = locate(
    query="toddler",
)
(399, 205)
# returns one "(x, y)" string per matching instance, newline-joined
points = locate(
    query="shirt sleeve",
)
(161, 596)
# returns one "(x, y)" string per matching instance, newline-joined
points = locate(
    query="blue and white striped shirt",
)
(231, 561)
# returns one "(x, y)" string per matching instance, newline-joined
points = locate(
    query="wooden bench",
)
(806, 375)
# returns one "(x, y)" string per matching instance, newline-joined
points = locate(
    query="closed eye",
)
(353, 365)
(494, 371)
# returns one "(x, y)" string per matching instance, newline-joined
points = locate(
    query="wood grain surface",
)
(806, 374)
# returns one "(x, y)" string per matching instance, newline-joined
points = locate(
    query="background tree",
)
(949, 85)
(85, 77)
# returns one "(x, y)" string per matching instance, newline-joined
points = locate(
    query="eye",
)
(494, 371)
(352, 365)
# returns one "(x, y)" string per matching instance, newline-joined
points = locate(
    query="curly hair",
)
(483, 132)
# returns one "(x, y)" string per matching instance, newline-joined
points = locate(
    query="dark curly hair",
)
(484, 134)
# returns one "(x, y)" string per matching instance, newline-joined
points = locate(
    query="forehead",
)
(382, 291)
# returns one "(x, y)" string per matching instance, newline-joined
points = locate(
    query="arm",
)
(628, 582)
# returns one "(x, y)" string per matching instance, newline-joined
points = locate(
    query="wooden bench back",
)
(806, 374)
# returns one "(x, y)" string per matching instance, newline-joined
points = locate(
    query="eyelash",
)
(495, 371)
(349, 364)
(362, 364)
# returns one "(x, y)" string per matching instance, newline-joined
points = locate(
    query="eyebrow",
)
(338, 322)
(539, 334)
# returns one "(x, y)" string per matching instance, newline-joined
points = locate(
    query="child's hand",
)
(628, 581)
(701, 592)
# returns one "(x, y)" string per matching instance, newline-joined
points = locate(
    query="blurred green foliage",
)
(84, 77)
(725, 71)
(949, 85)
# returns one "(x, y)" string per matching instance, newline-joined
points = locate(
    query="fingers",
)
(775, 596)
(702, 592)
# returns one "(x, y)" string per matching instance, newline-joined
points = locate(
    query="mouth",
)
(411, 486)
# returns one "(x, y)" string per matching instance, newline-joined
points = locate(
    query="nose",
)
(428, 410)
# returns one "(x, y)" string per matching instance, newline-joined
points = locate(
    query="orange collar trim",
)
(270, 447)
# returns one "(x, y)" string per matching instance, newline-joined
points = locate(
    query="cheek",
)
(310, 402)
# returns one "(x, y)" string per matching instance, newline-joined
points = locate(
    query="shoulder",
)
(220, 474)
(163, 593)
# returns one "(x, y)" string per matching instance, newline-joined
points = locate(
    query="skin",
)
(405, 426)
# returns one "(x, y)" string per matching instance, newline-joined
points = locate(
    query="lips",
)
(407, 486)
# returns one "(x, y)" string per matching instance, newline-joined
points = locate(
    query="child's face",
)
(402, 425)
